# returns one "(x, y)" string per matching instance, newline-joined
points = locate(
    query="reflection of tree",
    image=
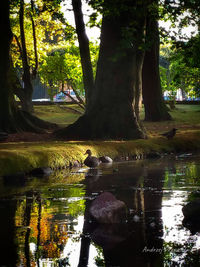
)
(41, 220)
(27, 218)
(129, 242)
(85, 239)
(7, 233)
(180, 172)
(39, 229)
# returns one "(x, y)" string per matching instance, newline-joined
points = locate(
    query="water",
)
(45, 220)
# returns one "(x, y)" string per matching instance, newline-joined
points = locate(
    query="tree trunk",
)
(155, 108)
(138, 92)
(6, 111)
(35, 69)
(110, 114)
(88, 79)
(26, 100)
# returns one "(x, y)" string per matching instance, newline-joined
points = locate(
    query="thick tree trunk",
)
(88, 79)
(6, 111)
(155, 108)
(26, 100)
(110, 114)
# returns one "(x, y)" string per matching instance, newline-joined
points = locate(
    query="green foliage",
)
(183, 71)
(51, 29)
(63, 66)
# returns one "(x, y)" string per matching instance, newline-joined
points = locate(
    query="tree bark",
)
(88, 79)
(138, 91)
(6, 111)
(26, 100)
(155, 108)
(35, 69)
(110, 114)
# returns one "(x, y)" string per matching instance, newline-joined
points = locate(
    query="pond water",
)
(45, 221)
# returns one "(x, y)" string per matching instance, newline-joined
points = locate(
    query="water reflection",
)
(46, 221)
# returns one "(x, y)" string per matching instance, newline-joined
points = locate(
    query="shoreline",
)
(22, 157)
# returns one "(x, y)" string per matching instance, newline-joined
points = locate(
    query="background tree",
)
(41, 28)
(26, 97)
(61, 70)
(154, 106)
(11, 118)
(183, 72)
(84, 51)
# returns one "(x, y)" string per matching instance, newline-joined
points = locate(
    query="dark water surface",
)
(44, 220)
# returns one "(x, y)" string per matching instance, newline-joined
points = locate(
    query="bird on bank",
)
(170, 134)
(91, 161)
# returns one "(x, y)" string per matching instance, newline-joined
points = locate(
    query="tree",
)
(154, 106)
(61, 69)
(184, 69)
(6, 112)
(26, 93)
(84, 51)
(111, 113)
(11, 118)
(36, 26)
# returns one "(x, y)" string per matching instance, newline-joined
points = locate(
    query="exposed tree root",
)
(100, 128)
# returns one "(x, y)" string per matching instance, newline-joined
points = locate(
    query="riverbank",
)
(18, 157)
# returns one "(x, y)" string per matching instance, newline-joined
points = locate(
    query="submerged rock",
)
(191, 212)
(109, 235)
(42, 171)
(3, 136)
(107, 209)
(105, 159)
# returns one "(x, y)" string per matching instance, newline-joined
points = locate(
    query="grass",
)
(184, 117)
(24, 156)
(57, 113)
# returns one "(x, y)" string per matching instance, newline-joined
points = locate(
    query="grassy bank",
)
(24, 156)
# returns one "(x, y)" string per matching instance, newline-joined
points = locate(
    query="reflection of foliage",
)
(188, 174)
(76, 208)
(99, 259)
(49, 229)
(176, 254)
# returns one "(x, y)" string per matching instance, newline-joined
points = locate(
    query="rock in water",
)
(105, 159)
(107, 209)
(191, 212)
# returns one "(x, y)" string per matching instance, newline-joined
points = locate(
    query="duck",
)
(91, 161)
(170, 134)
(105, 159)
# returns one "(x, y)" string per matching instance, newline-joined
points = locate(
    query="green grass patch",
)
(58, 114)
